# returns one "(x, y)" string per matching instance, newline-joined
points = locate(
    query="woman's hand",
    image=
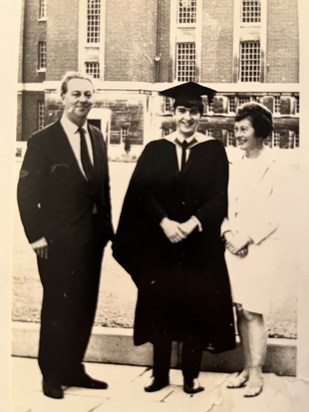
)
(237, 243)
(172, 230)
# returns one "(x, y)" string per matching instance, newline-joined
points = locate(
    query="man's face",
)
(78, 100)
(187, 120)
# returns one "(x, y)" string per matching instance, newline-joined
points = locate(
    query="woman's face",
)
(187, 120)
(245, 136)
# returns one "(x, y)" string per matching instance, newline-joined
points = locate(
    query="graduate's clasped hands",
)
(175, 231)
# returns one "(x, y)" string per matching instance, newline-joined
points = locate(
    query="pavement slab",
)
(126, 392)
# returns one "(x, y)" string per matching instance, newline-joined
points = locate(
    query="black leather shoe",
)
(52, 390)
(192, 387)
(157, 384)
(85, 381)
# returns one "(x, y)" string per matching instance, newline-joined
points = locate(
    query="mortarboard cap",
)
(189, 91)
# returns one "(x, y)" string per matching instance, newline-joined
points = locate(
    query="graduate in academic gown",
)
(168, 239)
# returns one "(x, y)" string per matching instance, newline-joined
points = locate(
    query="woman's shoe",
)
(254, 389)
(238, 380)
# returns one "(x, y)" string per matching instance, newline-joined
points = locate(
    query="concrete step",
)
(115, 345)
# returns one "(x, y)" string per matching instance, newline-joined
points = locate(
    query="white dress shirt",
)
(71, 130)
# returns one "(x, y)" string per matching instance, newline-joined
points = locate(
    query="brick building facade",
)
(245, 49)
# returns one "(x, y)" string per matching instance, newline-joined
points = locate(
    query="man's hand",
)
(40, 247)
(172, 230)
(188, 226)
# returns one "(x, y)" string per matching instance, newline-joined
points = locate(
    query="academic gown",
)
(183, 288)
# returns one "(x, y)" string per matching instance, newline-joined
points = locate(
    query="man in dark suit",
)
(64, 203)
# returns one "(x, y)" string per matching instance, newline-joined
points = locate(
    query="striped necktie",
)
(184, 145)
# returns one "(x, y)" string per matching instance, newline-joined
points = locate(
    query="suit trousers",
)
(191, 358)
(70, 278)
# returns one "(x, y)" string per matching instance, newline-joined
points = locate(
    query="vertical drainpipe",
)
(158, 45)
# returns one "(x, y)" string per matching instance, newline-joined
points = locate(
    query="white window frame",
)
(88, 52)
(41, 114)
(92, 68)
(185, 33)
(42, 56)
(252, 73)
(246, 32)
(242, 15)
(42, 9)
(186, 74)
(186, 3)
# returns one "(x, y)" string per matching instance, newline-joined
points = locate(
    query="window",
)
(42, 9)
(185, 62)
(251, 11)
(167, 106)
(297, 104)
(209, 132)
(296, 139)
(42, 55)
(232, 104)
(276, 139)
(93, 21)
(250, 61)
(231, 139)
(210, 107)
(277, 104)
(41, 115)
(124, 133)
(186, 11)
(243, 99)
(93, 69)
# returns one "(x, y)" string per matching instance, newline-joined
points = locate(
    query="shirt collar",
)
(199, 137)
(71, 128)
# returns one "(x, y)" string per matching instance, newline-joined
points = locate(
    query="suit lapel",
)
(99, 157)
(64, 149)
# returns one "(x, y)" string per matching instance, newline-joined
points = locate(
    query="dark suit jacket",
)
(53, 195)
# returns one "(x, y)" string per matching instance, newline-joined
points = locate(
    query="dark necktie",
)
(184, 145)
(84, 155)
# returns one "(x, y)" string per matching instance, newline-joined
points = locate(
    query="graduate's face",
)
(245, 136)
(187, 120)
(78, 100)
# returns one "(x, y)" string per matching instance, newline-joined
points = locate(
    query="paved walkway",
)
(125, 393)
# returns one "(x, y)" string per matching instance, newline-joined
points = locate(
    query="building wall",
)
(34, 31)
(282, 42)
(62, 38)
(29, 113)
(217, 41)
(130, 40)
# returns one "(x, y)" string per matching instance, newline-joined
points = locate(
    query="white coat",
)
(256, 199)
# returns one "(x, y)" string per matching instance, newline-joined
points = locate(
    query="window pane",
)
(41, 115)
(42, 9)
(187, 11)
(93, 69)
(42, 55)
(251, 11)
(185, 64)
(93, 21)
(250, 58)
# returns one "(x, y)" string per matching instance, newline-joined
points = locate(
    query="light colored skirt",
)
(253, 277)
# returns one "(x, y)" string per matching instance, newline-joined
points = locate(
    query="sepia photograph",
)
(154, 221)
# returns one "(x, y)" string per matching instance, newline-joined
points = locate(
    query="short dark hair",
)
(180, 101)
(73, 75)
(259, 115)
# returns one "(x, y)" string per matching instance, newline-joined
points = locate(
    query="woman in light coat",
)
(250, 232)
